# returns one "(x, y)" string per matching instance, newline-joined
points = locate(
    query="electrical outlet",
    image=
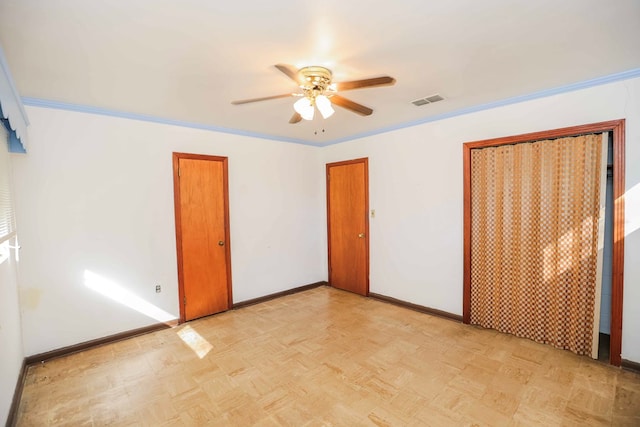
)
(158, 289)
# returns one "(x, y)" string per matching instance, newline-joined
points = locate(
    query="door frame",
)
(178, 223)
(364, 160)
(617, 127)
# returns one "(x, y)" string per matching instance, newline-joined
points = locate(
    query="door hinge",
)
(184, 301)
(178, 171)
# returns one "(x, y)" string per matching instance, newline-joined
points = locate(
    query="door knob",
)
(361, 235)
(221, 243)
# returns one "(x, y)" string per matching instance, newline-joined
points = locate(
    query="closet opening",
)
(608, 328)
(605, 302)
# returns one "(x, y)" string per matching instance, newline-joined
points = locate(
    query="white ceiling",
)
(187, 60)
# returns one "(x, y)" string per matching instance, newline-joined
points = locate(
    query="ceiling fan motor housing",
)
(314, 79)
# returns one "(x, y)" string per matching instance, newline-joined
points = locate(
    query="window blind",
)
(7, 215)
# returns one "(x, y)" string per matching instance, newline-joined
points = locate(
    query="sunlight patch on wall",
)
(125, 297)
(200, 346)
(4, 251)
(632, 208)
(7, 246)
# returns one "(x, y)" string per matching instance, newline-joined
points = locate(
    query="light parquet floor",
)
(327, 358)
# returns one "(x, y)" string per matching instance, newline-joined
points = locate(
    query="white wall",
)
(11, 349)
(95, 194)
(415, 185)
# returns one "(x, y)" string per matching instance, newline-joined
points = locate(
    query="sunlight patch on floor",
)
(195, 341)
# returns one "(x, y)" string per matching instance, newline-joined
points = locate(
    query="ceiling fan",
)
(318, 91)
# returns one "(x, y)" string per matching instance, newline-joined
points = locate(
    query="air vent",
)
(428, 100)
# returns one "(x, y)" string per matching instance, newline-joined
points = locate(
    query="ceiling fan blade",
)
(357, 84)
(266, 98)
(290, 71)
(295, 118)
(350, 105)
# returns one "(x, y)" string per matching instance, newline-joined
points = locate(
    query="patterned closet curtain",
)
(535, 233)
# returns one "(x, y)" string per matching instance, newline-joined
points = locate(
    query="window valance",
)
(12, 113)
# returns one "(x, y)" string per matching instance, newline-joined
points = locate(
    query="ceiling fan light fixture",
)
(304, 107)
(324, 106)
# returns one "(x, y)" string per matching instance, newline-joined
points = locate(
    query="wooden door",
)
(202, 234)
(348, 225)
